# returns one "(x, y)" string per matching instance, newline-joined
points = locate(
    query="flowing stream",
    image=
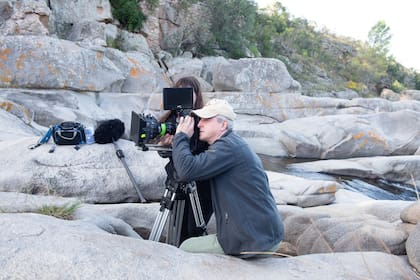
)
(378, 189)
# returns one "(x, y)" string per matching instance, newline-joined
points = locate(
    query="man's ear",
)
(225, 125)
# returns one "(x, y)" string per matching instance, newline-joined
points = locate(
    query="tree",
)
(232, 23)
(379, 37)
(417, 81)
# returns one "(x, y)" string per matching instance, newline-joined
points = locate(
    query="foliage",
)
(232, 24)
(364, 65)
(417, 81)
(379, 37)
(397, 86)
(270, 24)
(128, 13)
(356, 86)
(238, 29)
(65, 212)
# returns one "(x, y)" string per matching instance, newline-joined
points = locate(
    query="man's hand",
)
(186, 125)
(166, 140)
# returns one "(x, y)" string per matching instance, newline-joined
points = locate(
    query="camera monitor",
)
(177, 98)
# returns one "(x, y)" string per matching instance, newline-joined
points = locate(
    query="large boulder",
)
(410, 94)
(45, 62)
(253, 74)
(413, 247)
(344, 227)
(26, 17)
(346, 136)
(286, 106)
(369, 167)
(288, 189)
(411, 214)
(41, 247)
(68, 13)
(93, 173)
(145, 75)
(13, 128)
(46, 108)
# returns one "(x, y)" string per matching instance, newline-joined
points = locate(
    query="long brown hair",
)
(195, 85)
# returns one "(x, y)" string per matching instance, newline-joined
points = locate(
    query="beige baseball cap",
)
(216, 107)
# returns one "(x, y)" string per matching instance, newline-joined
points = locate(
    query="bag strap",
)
(44, 139)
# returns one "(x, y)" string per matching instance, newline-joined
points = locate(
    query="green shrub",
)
(65, 212)
(128, 14)
(359, 87)
(397, 86)
(417, 81)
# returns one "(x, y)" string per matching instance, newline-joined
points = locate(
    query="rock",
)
(410, 94)
(45, 62)
(93, 174)
(88, 33)
(413, 247)
(411, 214)
(132, 42)
(285, 106)
(41, 247)
(348, 136)
(27, 17)
(294, 190)
(145, 75)
(346, 94)
(328, 235)
(15, 202)
(390, 95)
(254, 74)
(344, 227)
(181, 67)
(113, 226)
(68, 13)
(13, 128)
(106, 216)
(369, 167)
(46, 108)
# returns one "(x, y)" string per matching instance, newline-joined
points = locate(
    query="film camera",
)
(145, 128)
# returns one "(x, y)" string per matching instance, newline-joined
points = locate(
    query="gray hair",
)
(221, 118)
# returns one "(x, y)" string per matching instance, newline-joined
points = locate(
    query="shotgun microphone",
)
(109, 131)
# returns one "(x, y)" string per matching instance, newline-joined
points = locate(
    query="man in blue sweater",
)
(246, 215)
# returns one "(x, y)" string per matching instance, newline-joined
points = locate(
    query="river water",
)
(378, 189)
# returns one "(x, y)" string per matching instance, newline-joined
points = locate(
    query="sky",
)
(355, 18)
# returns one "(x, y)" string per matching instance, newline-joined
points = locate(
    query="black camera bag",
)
(69, 133)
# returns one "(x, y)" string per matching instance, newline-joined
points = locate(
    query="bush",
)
(128, 14)
(417, 81)
(397, 86)
(62, 212)
(359, 87)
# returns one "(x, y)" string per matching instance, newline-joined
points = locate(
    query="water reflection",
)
(377, 189)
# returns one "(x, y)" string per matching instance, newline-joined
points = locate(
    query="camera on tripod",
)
(146, 128)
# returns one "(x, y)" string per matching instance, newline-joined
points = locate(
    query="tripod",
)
(173, 204)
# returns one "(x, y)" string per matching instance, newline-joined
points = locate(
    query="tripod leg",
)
(166, 207)
(196, 207)
(175, 222)
(158, 225)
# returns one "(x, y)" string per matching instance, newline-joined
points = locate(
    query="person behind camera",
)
(188, 227)
(247, 218)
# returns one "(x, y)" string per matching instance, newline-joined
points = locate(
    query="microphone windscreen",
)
(109, 131)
